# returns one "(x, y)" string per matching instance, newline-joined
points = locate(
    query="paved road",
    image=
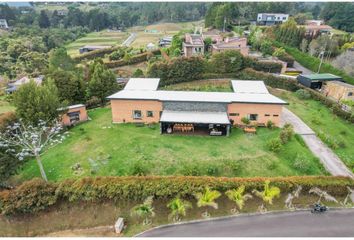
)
(335, 223)
(302, 68)
(329, 159)
(129, 40)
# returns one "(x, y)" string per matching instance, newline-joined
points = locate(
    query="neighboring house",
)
(89, 48)
(315, 81)
(314, 22)
(271, 18)
(141, 102)
(74, 114)
(314, 30)
(165, 42)
(3, 24)
(338, 90)
(62, 12)
(213, 34)
(12, 87)
(231, 43)
(193, 45)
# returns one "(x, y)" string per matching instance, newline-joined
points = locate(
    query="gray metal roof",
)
(142, 84)
(195, 117)
(138, 91)
(243, 86)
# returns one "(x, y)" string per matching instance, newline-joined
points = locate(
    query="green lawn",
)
(103, 148)
(5, 106)
(331, 129)
(96, 38)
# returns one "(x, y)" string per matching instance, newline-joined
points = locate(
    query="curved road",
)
(335, 223)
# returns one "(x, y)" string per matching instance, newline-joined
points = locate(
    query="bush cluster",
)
(286, 133)
(36, 195)
(7, 119)
(132, 59)
(95, 54)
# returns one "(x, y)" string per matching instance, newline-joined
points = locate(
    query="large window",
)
(137, 114)
(234, 114)
(149, 113)
(253, 117)
(74, 116)
(350, 94)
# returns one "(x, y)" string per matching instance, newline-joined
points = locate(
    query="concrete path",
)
(334, 223)
(329, 159)
(129, 40)
(302, 68)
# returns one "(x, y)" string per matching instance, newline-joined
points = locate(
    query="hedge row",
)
(270, 67)
(312, 63)
(36, 195)
(288, 59)
(95, 54)
(134, 59)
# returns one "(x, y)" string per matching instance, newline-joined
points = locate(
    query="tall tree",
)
(43, 20)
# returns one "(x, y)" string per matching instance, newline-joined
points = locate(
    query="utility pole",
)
(319, 67)
(224, 24)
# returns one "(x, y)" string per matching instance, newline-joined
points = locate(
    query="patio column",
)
(160, 127)
(227, 130)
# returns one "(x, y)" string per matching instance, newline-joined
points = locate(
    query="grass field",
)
(78, 219)
(103, 148)
(96, 38)
(5, 106)
(330, 128)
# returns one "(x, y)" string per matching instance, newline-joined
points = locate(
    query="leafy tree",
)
(59, 58)
(230, 61)
(138, 73)
(102, 82)
(207, 43)
(279, 52)
(37, 102)
(238, 196)
(178, 208)
(266, 48)
(268, 193)
(207, 199)
(31, 141)
(43, 20)
(9, 164)
(144, 210)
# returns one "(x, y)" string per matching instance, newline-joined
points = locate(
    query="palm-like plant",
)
(350, 192)
(144, 210)
(322, 194)
(178, 208)
(238, 197)
(268, 193)
(207, 199)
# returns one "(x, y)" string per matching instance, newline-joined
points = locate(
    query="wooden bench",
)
(249, 130)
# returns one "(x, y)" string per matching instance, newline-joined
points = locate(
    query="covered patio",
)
(198, 123)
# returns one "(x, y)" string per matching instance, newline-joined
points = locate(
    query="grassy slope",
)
(5, 106)
(123, 149)
(312, 63)
(320, 119)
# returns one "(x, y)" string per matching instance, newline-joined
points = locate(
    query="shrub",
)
(36, 195)
(93, 102)
(303, 94)
(245, 120)
(301, 163)
(226, 62)
(95, 54)
(274, 145)
(7, 119)
(132, 59)
(286, 133)
(138, 73)
(270, 124)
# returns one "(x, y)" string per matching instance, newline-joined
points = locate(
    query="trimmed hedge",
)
(288, 59)
(270, 67)
(95, 54)
(36, 195)
(134, 59)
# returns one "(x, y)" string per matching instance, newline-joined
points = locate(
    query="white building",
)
(271, 18)
(3, 24)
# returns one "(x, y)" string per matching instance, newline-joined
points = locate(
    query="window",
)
(350, 94)
(74, 116)
(275, 115)
(234, 114)
(253, 117)
(284, 18)
(267, 115)
(137, 114)
(149, 113)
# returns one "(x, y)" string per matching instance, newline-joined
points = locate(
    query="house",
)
(73, 114)
(315, 81)
(314, 22)
(3, 24)
(12, 87)
(213, 34)
(271, 18)
(193, 45)
(338, 90)
(165, 42)
(89, 48)
(231, 43)
(314, 30)
(62, 12)
(206, 112)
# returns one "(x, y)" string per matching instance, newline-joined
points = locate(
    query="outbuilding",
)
(315, 81)
(74, 114)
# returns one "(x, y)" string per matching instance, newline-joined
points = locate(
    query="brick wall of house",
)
(123, 110)
(65, 119)
(244, 109)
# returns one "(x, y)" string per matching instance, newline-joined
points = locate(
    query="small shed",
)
(74, 114)
(315, 81)
(339, 90)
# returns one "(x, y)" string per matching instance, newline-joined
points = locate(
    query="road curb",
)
(234, 216)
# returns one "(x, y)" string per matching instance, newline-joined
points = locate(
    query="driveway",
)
(335, 223)
(329, 159)
(302, 68)
(129, 40)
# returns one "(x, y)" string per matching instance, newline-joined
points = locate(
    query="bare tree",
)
(291, 196)
(31, 141)
(322, 194)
